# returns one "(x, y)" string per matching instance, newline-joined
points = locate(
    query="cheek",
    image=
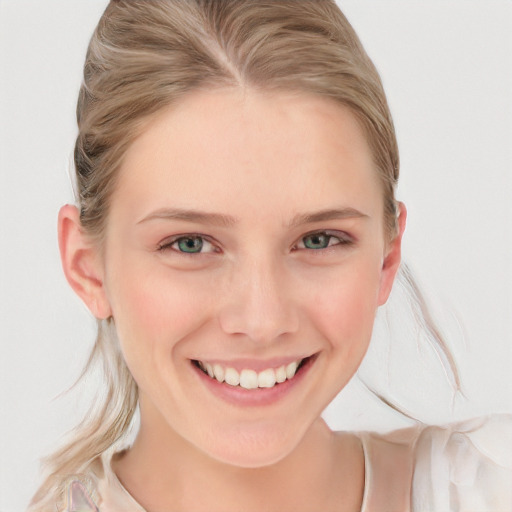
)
(156, 308)
(344, 308)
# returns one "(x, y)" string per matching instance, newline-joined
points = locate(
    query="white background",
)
(446, 66)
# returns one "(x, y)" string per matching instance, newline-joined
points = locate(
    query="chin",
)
(253, 448)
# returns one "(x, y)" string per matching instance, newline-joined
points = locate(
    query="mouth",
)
(250, 379)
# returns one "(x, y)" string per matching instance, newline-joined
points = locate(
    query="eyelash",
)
(342, 240)
(166, 245)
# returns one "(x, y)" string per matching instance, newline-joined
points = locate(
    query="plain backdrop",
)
(446, 67)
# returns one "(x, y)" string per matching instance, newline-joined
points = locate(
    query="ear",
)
(81, 262)
(393, 257)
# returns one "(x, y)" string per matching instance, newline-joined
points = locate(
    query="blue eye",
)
(189, 244)
(322, 240)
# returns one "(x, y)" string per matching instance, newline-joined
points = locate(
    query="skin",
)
(264, 162)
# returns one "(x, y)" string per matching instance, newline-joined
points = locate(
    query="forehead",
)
(241, 149)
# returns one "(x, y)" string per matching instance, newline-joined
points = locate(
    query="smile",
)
(250, 379)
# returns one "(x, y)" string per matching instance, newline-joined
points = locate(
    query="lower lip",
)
(254, 397)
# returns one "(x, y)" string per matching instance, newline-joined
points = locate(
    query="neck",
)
(163, 471)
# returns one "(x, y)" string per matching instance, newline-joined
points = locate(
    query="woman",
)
(236, 232)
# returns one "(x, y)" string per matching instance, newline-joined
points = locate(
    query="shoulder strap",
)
(389, 468)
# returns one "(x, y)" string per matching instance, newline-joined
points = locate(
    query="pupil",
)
(190, 244)
(317, 241)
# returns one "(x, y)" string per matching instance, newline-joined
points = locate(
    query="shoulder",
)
(464, 466)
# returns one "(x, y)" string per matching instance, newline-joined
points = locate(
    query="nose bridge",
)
(258, 304)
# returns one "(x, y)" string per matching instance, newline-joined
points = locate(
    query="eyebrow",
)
(329, 214)
(216, 219)
(219, 219)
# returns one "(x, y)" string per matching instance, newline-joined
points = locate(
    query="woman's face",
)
(245, 237)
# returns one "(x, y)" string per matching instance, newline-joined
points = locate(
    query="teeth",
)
(267, 378)
(232, 377)
(209, 369)
(291, 369)
(281, 374)
(219, 372)
(249, 379)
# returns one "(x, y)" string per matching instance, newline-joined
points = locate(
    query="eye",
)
(188, 244)
(323, 240)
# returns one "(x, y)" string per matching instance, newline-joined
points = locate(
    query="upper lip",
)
(257, 365)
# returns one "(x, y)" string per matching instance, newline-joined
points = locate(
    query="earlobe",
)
(81, 262)
(392, 260)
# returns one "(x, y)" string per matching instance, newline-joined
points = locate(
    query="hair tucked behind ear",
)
(145, 56)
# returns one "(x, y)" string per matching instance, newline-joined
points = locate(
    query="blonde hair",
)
(146, 55)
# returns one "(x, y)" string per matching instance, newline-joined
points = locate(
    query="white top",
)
(463, 467)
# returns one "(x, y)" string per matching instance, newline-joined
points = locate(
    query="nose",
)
(259, 303)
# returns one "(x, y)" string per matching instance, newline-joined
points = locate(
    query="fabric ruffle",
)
(79, 499)
(464, 467)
